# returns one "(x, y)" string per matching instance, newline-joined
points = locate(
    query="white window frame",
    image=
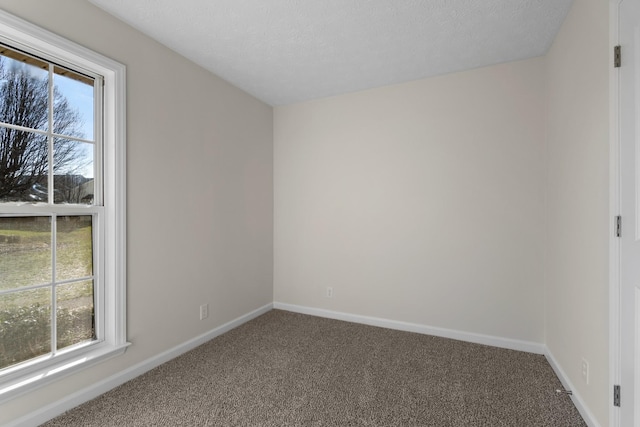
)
(110, 244)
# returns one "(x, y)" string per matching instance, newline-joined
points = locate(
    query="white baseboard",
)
(494, 341)
(56, 408)
(575, 396)
(511, 344)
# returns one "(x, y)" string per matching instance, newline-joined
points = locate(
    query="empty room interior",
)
(469, 202)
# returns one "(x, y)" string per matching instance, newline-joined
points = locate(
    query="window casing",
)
(88, 212)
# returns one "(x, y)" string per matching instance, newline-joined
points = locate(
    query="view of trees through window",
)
(24, 154)
(47, 150)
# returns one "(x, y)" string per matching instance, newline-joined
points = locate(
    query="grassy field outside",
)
(26, 260)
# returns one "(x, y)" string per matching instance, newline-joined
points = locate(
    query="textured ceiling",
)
(287, 51)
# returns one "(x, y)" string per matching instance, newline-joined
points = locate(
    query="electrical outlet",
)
(584, 371)
(329, 292)
(204, 311)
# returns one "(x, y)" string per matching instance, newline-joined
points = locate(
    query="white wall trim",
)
(71, 401)
(511, 344)
(575, 397)
(614, 209)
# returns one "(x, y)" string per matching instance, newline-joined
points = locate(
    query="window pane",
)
(73, 171)
(74, 244)
(25, 251)
(73, 107)
(24, 166)
(24, 90)
(25, 325)
(74, 313)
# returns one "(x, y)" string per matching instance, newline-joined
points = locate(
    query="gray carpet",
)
(287, 369)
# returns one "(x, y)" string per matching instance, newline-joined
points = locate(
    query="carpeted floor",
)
(287, 369)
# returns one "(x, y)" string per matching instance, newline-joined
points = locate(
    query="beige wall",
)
(200, 215)
(421, 202)
(578, 221)
(424, 202)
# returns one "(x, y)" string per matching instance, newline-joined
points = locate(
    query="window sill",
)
(23, 384)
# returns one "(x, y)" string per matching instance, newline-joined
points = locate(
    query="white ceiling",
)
(287, 51)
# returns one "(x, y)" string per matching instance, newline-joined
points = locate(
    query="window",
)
(62, 213)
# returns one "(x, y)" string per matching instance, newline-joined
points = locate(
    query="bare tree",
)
(24, 160)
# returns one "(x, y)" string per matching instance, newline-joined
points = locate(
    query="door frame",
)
(615, 289)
